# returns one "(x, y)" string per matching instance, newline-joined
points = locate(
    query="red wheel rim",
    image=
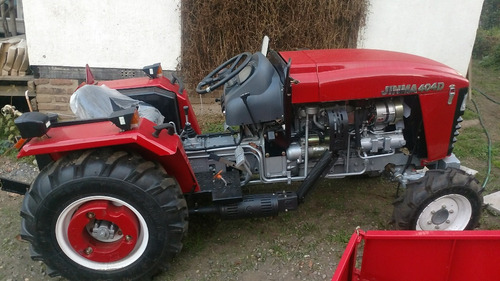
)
(91, 248)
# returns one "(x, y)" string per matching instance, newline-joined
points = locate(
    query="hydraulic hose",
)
(488, 173)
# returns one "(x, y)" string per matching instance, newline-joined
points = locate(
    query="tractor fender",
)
(166, 149)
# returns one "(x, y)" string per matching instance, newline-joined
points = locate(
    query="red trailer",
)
(420, 256)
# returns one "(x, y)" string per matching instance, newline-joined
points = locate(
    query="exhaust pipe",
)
(253, 206)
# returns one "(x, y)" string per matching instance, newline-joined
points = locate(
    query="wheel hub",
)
(103, 232)
(448, 212)
(440, 216)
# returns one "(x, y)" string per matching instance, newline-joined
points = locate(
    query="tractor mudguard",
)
(166, 149)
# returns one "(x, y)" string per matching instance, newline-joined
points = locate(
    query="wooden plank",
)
(14, 91)
(17, 78)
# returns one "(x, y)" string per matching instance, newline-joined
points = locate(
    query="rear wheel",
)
(441, 200)
(104, 215)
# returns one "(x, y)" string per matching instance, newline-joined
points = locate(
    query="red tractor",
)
(116, 188)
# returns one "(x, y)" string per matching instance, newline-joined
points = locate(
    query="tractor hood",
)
(341, 74)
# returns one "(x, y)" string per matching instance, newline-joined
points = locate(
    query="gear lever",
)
(188, 129)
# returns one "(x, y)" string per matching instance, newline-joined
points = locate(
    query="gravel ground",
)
(15, 261)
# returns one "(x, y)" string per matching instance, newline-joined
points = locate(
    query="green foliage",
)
(490, 15)
(493, 58)
(487, 44)
(4, 145)
(8, 132)
(486, 41)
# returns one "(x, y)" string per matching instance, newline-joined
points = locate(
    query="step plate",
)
(225, 189)
(13, 186)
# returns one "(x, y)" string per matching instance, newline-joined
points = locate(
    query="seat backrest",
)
(163, 100)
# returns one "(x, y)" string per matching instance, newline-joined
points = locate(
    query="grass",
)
(341, 236)
(472, 143)
(485, 79)
(212, 127)
(469, 115)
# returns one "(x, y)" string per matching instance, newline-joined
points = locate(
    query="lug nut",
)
(451, 211)
(89, 251)
(128, 238)
(90, 215)
(444, 206)
(436, 227)
(447, 221)
(429, 222)
(433, 212)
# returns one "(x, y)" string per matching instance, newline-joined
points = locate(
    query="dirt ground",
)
(301, 245)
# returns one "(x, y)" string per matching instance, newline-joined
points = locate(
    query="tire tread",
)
(434, 183)
(147, 176)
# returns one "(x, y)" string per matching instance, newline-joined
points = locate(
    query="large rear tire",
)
(104, 215)
(442, 200)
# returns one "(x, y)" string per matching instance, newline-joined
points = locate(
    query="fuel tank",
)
(347, 74)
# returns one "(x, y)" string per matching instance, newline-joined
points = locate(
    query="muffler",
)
(252, 206)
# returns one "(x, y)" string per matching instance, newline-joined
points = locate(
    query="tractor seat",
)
(92, 101)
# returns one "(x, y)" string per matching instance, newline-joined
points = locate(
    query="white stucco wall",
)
(131, 34)
(442, 30)
(103, 33)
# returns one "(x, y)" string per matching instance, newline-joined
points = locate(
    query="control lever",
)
(188, 129)
(186, 113)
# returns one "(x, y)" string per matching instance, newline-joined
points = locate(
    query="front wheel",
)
(104, 215)
(442, 200)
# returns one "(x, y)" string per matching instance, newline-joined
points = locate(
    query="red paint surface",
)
(350, 74)
(422, 255)
(81, 240)
(165, 149)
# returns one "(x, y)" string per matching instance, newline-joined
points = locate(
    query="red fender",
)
(166, 149)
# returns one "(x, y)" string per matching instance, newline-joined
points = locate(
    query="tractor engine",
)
(361, 129)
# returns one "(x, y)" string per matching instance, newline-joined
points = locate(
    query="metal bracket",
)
(14, 186)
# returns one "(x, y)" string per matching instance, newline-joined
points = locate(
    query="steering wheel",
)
(223, 73)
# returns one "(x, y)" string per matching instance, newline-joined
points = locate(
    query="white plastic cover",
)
(91, 101)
